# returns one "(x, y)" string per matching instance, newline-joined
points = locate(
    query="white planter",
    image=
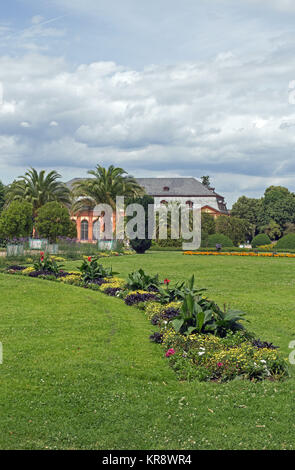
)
(38, 244)
(107, 245)
(15, 250)
(53, 249)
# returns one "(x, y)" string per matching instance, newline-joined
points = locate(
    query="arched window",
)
(190, 204)
(164, 203)
(84, 230)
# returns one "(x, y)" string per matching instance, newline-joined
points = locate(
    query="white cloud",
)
(283, 5)
(37, 19)
(228, 116)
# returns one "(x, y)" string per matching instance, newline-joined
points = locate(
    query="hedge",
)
(286, 242)
(220, 239)
(260, 240)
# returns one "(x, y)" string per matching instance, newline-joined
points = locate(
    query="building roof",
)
(174, 187)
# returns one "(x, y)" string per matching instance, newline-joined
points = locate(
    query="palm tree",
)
(107, 184)
(38, 189)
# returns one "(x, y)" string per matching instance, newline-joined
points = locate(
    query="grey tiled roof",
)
(177, 187)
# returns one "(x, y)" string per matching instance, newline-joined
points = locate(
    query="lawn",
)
(79, 371)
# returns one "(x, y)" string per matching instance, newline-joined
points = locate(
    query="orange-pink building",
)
(187, 191)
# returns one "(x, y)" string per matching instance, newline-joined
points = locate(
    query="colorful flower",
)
(166, 281)
(170, 352)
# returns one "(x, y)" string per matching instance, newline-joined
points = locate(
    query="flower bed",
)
(199, 339)
(251, 253)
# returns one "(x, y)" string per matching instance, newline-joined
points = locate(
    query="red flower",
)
(166, 281)
(42, 254)
(220, 364)
(170, 352)
(89, 258)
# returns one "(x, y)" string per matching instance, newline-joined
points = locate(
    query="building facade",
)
(187, 191)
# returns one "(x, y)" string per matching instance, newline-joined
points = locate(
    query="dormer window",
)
(166, 188)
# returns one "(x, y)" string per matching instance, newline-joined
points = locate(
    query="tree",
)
(73, 230)
(278, 205)
(38, 189)
(142, 245)
(248, 209)
(273, 230)
(53, 220)
(289, 228)
(107, 184)
(206, 181)
(208, 223)
(233, 227)
(2, 195)
(16, 220)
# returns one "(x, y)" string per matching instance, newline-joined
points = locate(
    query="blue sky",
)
(160, 88)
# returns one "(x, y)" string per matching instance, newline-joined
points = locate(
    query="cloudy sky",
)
(159, 87)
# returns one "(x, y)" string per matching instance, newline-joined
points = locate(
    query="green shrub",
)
(286, 242)
(92, 271)
(140, 280)
(219, 239)
(261, 239)
(169, 242)
(47, 264)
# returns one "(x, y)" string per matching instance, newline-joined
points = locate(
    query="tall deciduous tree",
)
(2, 195)
(16, 220)
(208, 223)
(278, 205)
(38, 189)
(273, 230)
(233, 227)
(53, 220)
(248, 209)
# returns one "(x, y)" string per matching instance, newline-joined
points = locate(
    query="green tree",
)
(278, 205)
(248, 209)
(107, 184)
(208, 223)
(16, 220)
(72, 230)
(53, 220)
(2, 195)
(289, 228)
(273, 230)
(205, 180)
(233, 227)
(38, 189)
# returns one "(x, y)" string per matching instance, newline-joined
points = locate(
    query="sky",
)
(158, 87)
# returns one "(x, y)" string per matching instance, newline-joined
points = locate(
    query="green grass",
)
(79, 371)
